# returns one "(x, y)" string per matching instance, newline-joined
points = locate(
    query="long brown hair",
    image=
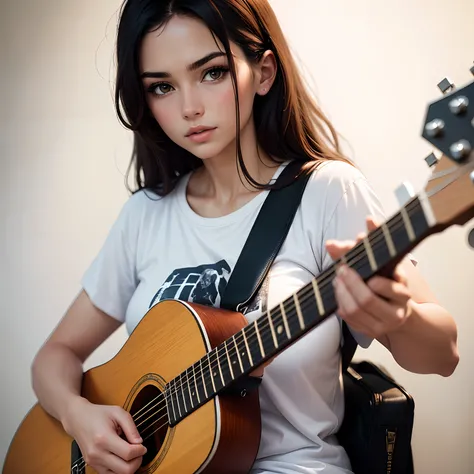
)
(289, 124)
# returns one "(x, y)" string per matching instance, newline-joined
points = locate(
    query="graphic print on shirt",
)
(204, 284)
(259, 303)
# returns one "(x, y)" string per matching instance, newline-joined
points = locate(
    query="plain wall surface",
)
(373, 66)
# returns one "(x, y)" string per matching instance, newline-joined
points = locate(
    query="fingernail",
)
(340, 270)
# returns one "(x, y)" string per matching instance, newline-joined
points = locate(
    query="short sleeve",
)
(356, 200)
(111, 279)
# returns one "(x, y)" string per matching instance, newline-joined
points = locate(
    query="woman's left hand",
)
(375, 308)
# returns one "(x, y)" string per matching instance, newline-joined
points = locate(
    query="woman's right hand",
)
(97, 430)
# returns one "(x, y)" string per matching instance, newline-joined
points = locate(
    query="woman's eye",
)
(160, 88)
(217, 73)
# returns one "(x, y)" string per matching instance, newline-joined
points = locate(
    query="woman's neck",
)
(217, 188)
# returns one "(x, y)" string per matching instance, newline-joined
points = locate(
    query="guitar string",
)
(433, 192)
(324, 289)
(376, 238)
(429, 194)
(325, 276)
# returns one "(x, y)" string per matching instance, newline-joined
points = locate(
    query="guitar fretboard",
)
(276, 329)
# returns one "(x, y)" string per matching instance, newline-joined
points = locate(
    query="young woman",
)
(217, 108)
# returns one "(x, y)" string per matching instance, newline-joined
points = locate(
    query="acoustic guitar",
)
(175, 373)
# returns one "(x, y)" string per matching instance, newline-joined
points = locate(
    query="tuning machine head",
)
(446, 86)
(431, 160)
(449, 122)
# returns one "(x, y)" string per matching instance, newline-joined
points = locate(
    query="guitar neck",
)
(281, 326)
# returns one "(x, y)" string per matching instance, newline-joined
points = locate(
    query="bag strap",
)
(263, 244)
(348, 348)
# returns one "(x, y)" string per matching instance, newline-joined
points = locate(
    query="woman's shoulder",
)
(149, 199)
(336, 173)
(332, 179)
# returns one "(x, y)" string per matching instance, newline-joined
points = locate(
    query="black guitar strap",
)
(263, 244)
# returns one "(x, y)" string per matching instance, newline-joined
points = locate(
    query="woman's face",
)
(188, 84)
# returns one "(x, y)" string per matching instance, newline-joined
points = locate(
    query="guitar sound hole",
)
(151, 419)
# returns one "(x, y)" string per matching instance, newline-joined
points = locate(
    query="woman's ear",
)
(267, 70)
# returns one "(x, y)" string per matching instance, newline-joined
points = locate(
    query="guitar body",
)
(222, 435)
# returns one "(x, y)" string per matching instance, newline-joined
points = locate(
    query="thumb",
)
(126, 423)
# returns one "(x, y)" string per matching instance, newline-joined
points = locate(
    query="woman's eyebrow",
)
(192, 67)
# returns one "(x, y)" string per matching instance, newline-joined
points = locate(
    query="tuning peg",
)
(435, 128)
(446, 85)
(460, 150)
(472, 70)
(431, 160)
(459, 105)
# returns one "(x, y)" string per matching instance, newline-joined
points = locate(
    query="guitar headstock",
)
(449, 126)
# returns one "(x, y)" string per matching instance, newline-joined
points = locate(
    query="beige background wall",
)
(374, 66)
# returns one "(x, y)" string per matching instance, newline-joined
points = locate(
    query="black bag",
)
(378, 421)
(377, 427)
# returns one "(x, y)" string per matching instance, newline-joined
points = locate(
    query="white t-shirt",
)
(159, 248)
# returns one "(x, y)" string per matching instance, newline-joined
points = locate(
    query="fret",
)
(243, 351)
(280, 334)
(307, 299)
(203, 379)
(399, 233)
(414, 228)
(298, 311)
(408, 226)
(270, 323)
(268, 334)
(218, 360)
(229, 361)
(184, 392)
(174, 399)
(237, 351)
(234, 356)
(196, 387)
(285, 321)
(253, 344)
(188, 383)
(358, 260)
(169, 402)
(208, 378)
(327, 291)
(317, 294)
(249, 353)
(224, 366)
(370, 254)
(380, 247)
(419, 220)
(388, 240)
(177, 392)
(292, 320)
(212, 373)
(257, 332)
